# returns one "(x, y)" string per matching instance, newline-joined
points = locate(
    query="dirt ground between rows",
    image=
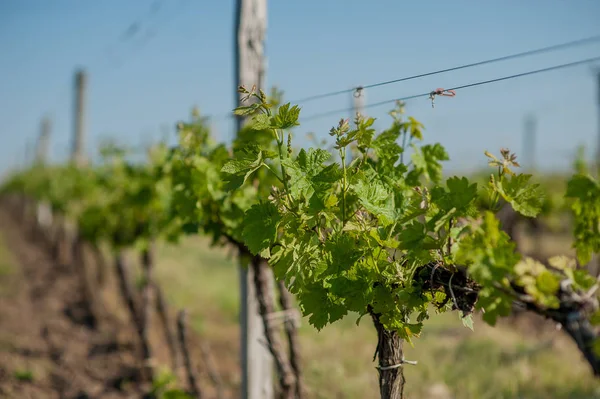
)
(47, 350)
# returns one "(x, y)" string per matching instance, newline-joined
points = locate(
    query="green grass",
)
(23, 375)
(489, 363)
(202, 279)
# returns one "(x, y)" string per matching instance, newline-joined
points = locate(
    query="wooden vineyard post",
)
(43, 142)
(256, 361)
(78, 143)
(43, 211)
(358, 102)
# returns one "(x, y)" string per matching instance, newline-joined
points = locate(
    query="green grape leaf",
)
(365, 132)
(488, 252)
(525, 197)
(307, 172)
(354, 289)
(318, 303)
(467, 320)
(562, 262)
(414, 128)
(495, 304)
(386, 148)
(585, 192)
(260, 122)
(458, 198)
(547, 282)
(595, 318)
(538, 282)
(259, 228)
(426, 160)
(343, 252)
(582, 187)
(238, 170)
(246, 109)
(375, 198)
(287, 117)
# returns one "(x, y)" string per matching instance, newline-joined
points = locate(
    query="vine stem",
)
(280, 148)
(284, 179)
(274, 174)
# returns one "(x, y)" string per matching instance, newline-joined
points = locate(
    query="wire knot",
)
(440, 92)
(284, 316)
(395, 366)
(358, 91)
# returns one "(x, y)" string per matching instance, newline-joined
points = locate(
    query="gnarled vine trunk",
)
(100, 262)
(146, 311)
(125, 285)
(137, 317)
(191, 375)
(163, 313)
(585, 336)
(89, 301)
(390, 358)
(291, 330)
(60, 241)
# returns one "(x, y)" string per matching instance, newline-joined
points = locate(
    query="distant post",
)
(78, 144)
(529, 142)
(28, 156)
(358, 107)
(43, 211)
(43, 142)
(257, 363)
(358, 101)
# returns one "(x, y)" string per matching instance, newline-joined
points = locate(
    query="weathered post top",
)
(251, 28)
(78, 143)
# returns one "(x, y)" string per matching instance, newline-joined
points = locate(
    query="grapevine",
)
(382, 237)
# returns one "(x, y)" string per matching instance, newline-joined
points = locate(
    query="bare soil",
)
(47, 347)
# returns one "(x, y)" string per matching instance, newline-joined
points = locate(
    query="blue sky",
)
(182, 56)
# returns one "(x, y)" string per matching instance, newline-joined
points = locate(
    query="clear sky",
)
(182, 55)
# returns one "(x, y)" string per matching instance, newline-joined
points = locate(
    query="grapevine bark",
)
(390, 357)
(127, 293)
(125, 286)
(211, 369)
(285, 299)
(100, 265)
(144, 326)
(163, 313)
(187, 361)
(572, 314)
(89, 300)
